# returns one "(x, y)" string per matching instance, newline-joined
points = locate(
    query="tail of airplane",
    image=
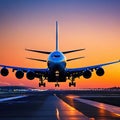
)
(57, 44)
(57, 48)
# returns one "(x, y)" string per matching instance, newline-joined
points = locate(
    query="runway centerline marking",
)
(57, 114)
(72, 111)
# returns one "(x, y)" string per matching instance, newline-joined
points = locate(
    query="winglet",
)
(57, 44)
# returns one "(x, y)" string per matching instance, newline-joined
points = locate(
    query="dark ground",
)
(29, 108)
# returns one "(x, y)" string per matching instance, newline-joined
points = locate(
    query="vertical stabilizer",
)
(57, 44)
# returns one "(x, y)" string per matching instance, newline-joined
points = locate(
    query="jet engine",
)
(30, 75)
(100, 71)
(4, 72)
(87, 74)
(19, 74)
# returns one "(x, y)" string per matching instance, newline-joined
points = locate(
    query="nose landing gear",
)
(57, 85)
(57, 74)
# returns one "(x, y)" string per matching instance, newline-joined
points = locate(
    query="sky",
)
(90, 24)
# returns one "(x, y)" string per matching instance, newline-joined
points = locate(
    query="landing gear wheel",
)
(57, 85)
(42, 84)
(72, 84)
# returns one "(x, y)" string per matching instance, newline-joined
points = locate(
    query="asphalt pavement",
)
(51, 107)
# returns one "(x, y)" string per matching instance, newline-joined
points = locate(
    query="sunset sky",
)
(90, 24)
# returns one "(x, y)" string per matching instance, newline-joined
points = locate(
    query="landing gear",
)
(57, 85)
(72, 83)
(42, 83)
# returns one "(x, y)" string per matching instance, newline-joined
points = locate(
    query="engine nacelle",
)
(30, 75)
(19, 74)
(87, 74)
(4, 72)
(100, 71)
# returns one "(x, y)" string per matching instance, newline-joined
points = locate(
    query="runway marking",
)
(57, 114)
(12, 98)
(72, 111)
(111, 108)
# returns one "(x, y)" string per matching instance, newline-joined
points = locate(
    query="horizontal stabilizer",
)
(65, 52)
(38, 51)
(75, 58)
(37, 59)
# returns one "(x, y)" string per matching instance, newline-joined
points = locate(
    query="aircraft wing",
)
(15, 68)
(31, 73)
(74, 71)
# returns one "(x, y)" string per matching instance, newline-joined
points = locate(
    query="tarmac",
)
(55, 107)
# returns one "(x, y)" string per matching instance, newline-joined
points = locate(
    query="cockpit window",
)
(56, 55)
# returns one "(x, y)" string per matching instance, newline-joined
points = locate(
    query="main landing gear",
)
(42, 83)
(57, 85)
(72, 83)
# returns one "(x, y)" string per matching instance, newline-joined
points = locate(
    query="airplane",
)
(56, 70)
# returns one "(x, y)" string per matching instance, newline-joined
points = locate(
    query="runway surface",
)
(54, 107)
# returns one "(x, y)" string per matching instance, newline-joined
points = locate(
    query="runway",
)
(52, 107)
